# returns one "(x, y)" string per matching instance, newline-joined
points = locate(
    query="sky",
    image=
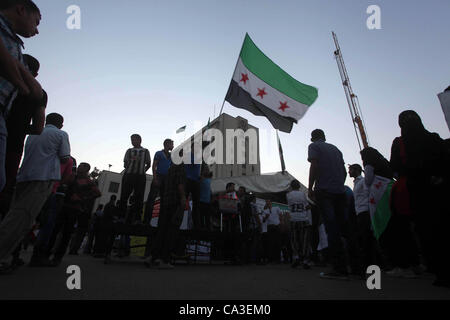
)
(151, 67)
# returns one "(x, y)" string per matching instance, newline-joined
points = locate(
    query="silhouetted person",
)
(49, 214)
(193, 189)
(136, 163)
(364, 234)
(327, 175)
(105, 228)
(244, 206)
(80, 192)
(16, 18)
(205, 208)
(273, 215)
(420, 158)
(233, 245)
(161, 164)
(254, 233)
(40, 169)
(170, 217)
(301, 226)
(23, 111)
(94, 226)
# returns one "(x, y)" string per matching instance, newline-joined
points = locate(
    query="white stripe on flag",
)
(273, 98)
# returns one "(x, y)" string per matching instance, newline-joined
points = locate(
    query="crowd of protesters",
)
(327, 224)
(48, 188)
(404, 232)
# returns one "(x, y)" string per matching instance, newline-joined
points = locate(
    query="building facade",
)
(247, 147)
(240, 147)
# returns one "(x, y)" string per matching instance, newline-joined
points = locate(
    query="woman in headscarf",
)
(375, 165)
(392, 231)
(417, 153)
(420, 161)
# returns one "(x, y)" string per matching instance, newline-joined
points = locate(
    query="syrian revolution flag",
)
(182, 129)
(264, 89)
(380, 212)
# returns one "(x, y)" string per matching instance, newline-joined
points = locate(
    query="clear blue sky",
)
(150, 67)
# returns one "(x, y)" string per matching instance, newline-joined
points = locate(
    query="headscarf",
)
(414, 134)
(424, 150)
(371, 156)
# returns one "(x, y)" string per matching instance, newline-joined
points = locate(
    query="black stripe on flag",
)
(240, 98)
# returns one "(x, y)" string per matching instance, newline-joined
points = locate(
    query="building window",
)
(114, 187)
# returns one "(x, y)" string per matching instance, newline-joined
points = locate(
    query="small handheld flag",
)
(181, 129)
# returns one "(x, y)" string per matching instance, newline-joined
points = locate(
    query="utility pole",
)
(352, 99)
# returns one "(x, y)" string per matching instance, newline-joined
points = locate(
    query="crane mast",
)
(352, 99)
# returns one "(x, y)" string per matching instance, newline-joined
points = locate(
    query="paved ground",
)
(129, 279)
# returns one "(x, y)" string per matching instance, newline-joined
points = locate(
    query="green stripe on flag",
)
(264, 68)
(383, 213)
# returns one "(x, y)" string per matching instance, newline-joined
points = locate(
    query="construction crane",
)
(352, 99)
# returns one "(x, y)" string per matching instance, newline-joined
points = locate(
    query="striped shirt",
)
(14, 45)
(135, 160)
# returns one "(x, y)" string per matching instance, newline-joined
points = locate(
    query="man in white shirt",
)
(360, 190)
(301, 224)
(263, 218)
(40, 169)
(273, 216)
(364, 233)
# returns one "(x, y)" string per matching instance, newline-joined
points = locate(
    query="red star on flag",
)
(261, 92)
(378, 185)
(372, 200)
(244, 78)
(283, 106)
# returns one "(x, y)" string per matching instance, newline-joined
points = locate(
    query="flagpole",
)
(237, 61)
(280, 152)
(221, 109)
